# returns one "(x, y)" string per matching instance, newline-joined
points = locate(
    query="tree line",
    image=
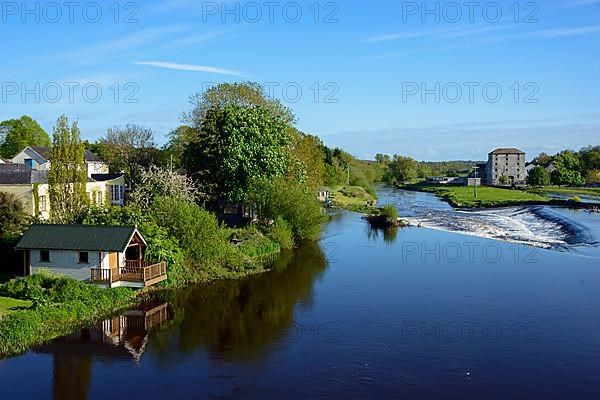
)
(567, 168)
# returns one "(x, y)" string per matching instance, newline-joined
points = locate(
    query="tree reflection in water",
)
(241, 320)
(389, 234)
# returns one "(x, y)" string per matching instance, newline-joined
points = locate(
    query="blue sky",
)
(361, 67)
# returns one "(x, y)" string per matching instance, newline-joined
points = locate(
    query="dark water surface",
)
(416, 313)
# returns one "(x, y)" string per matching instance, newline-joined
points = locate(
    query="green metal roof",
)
(77, 237)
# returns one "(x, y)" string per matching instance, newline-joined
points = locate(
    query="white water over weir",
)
(539, 226)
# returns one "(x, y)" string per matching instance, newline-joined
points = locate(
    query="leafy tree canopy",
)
(238, 144)
(538, 176)
(16, 134)
(244, 94)
(67, 177)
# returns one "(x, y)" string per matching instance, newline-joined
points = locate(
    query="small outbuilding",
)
(108, 256)
(323, 194)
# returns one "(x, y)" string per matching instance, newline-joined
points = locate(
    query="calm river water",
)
(443, 311)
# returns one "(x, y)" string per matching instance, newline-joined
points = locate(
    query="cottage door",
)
(113, 260)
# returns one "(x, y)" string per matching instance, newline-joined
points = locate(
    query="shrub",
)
(576, 199)
(59, 305)
(390, 211)
(253, 243)
(281, 232)
(204, 243)
(290, 201)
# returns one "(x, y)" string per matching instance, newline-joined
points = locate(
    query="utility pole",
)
(348, 183)
(475, 182)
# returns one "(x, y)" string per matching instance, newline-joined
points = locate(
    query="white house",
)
(31, 187)
(26, 176)
(38, 158)
(108, 256)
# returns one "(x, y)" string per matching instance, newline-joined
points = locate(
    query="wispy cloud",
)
(191, 68)
(564, 32)
(120, 45)
(554, 33)
(438, 33)
(204, 38)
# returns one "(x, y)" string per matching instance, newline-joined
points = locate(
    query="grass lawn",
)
(8, 305)
(462, 196)
(574, 191)
(354, 198)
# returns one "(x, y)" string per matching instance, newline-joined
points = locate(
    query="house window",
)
(44, 256)
(116, 193)
(43, 203)
(29, 162)
(84, 257)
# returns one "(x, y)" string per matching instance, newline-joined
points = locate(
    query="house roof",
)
(106, 177)
(45, 152)
(78, 237)
(510, 150)
(42, 151)
(21, 174)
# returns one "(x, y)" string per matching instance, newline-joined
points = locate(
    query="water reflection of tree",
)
(389, 234)
(72, 375)
(241, 320)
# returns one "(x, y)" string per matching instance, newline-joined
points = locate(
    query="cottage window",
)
(44, 256)
(84, 257)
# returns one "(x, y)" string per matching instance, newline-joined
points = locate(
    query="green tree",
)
(13, 218)
(402, 169)
(67, 177)
(238, 144)
(179, 139)
(16, 134)
(542, 159)
(308, 153)
(590, 158)
(538, 176)
(568, 170)
(290, 201)
(244, 94)
(593, 176)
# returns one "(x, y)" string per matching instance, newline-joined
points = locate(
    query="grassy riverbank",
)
(42, 307)
(50, 307)
(353, 198)
(463, 196)
(39, 308)
(567, 191)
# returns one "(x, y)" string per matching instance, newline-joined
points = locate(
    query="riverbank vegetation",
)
(237, 150)
(487, 196)
(567, 191)
(386, 217)
(50, 306)
(353, 198)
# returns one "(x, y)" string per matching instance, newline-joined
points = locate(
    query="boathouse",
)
(109, 256)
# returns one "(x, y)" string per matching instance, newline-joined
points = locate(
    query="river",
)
(483, 304)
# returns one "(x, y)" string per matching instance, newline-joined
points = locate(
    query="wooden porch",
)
(140, 272)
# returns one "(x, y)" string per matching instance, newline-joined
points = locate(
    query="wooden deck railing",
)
(137, 271)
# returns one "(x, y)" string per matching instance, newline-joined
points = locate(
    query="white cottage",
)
(108, 256)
